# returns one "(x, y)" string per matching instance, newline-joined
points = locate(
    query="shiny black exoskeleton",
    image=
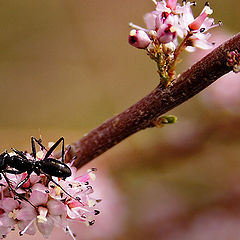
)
(48, 166)
(5, 159)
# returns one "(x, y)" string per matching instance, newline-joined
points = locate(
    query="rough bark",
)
(162, 99)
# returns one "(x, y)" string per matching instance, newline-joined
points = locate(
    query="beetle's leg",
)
(50, 179)
(39, 142)
(14, 192)
(54, 146)
(13, 171)
(34, 147)
(20, 153)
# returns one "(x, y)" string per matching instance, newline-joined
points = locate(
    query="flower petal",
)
(26, 213)
(56, 207)
(45, 227)
(8, 204)
(31, 229)
(38, 198)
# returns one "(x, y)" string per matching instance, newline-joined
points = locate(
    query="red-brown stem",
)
(182, 45)
(177, 52)
(162, 99)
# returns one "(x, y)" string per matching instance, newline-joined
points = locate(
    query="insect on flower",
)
(48, 166)
(56, 193)
(5, 162)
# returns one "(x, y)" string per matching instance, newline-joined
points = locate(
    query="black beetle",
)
(48, 166)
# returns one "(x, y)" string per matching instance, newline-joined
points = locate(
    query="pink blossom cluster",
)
(171, 21)
(45, 204)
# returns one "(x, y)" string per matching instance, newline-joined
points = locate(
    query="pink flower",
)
(167, 31)
(44, 204)
(27, 214)
(172, 4)
(161, 23)
(56, 210)
(199, 40)
(170, 7)
(171, 20)
(199, 21)
(7, 215)
(198, 27)
(110, 223)
(152, 21)
(46, 214)
(139, 39)
(34, 178)
(79, 208)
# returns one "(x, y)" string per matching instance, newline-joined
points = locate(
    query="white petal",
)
(45, 227)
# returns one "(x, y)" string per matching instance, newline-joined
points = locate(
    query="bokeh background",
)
(66, 67)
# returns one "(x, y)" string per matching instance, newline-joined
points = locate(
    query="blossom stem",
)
(182, 45)
(177, 52)
(143, 114)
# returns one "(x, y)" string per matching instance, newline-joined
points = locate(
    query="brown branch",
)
(142, 114)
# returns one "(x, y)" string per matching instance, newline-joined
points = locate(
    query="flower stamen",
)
(26, 228)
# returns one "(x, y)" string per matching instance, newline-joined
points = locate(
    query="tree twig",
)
(162, 99)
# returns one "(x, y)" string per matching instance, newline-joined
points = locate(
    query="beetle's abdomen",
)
(55, 168)
(19, 163)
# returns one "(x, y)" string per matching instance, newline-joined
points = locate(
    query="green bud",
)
(162, 120)
(168, 119)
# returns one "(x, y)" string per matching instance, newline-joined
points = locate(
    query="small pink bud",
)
(196, 24)
(139, 39)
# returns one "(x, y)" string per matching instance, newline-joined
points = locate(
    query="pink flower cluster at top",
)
(48, 204)
(171, 21)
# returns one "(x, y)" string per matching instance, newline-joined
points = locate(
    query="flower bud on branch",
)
(162, 99)
(172, 23)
